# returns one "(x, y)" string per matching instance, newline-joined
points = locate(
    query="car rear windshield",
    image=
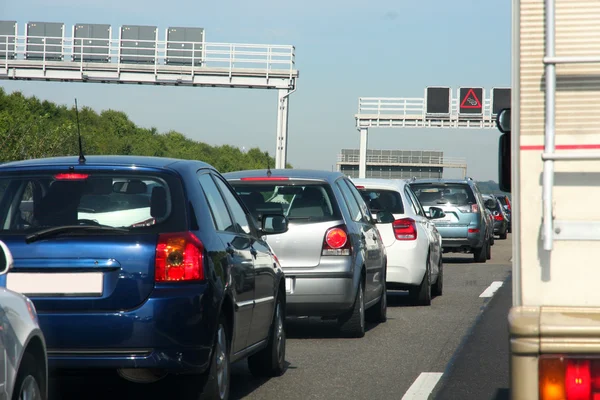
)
(456, 194)
(383, 200)
(300, 201)
(30, 202)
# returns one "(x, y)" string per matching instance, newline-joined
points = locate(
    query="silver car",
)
(23, 357)
(332, 255)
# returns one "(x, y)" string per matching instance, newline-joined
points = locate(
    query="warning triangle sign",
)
(470, 100)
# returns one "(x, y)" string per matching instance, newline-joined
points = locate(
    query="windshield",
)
(383, 200)
(299, 201)
(29, 203)
(455, 194)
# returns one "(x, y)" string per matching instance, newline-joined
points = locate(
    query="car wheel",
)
(479, 253)
(378, 313)
(270, 361)
(353, 324)
(29, 380)
(488, 252)
(503, 236)
(422, 293)
(438, 288)
(218, 382)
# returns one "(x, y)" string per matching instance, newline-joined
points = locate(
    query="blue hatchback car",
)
(149, 266)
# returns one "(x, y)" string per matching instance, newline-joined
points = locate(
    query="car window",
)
(218, 209)
(116, 199)
(415, 201)
(411, 202)
(239, 215)
(451, 194)
(353, 207)
(362, 204)
(301, 201)
(383, 200)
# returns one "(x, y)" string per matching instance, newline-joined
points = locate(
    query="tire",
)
(378, 312)
(504, 235)
(270, 361)
(438, 287)
(488, 252)
(218, 383)
(353, 323)
(479, 254)
(422, 293)
(29, 382)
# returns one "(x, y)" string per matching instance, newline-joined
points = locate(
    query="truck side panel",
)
(569, 274)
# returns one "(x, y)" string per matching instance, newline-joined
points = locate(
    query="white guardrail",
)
(408, 107)
(391, 159)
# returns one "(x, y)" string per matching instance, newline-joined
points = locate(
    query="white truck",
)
(550, 160)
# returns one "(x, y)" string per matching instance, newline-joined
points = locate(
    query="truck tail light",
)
(179, 257)
(405, 229)
(336, 242)
(562, 378)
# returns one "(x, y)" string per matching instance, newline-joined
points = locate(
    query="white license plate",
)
(69, 283)
(288, 284)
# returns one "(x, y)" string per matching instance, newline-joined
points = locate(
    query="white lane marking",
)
(422, 386)
(489, 292)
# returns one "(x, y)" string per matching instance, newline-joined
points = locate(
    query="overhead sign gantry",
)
(466, 108)
(139, 56)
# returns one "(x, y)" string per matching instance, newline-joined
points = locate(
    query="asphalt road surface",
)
(454, 349)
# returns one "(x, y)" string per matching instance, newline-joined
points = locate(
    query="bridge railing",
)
(81, 52)
(409, 107)
(398, 159)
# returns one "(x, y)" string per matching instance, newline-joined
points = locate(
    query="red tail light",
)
(569, 378)
(508, 202)
(473, 230)
(336, 242)
(474, 208)
(70, 176)
(179, 257)
(405, 229)
(498, 217)
(359, 187)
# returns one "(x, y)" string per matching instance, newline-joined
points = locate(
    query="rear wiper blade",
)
(56, 230)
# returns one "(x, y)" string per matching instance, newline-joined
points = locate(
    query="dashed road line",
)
(422, 386)
(489, 292)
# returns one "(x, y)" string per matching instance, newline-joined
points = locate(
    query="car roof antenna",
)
(268, 164)
(81, 156)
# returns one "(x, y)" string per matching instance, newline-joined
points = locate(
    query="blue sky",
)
(344, 50)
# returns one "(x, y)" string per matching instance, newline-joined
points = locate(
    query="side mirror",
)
(6, 259)
(436, 213)
(385, 217)
(503, 123)
(490, 204)
(272, 224)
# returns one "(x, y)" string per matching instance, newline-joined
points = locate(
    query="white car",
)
(413, 244)
(23, 357)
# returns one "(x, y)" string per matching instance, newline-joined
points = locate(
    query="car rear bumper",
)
(325, 290)
(168, 331)
(405, 263)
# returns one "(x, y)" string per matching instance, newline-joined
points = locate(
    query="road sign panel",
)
(437, 101)
(500, 99)
(470, 100)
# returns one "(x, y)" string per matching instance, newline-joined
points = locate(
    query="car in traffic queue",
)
(332, 254)
(499, 215)
(149, 266)
(23, 357)
(413, 244)
(505, 201)
(465, 228)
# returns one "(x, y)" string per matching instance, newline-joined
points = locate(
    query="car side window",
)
(217, 206)
(359, 199)
(239, 215)
(353, 207)
(413, 206)
(415, 201)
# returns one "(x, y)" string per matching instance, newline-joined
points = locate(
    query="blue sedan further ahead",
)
(149, 266)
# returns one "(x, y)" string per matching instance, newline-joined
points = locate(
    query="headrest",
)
(136, 187)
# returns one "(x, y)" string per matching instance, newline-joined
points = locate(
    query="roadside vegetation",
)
(32, 128)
